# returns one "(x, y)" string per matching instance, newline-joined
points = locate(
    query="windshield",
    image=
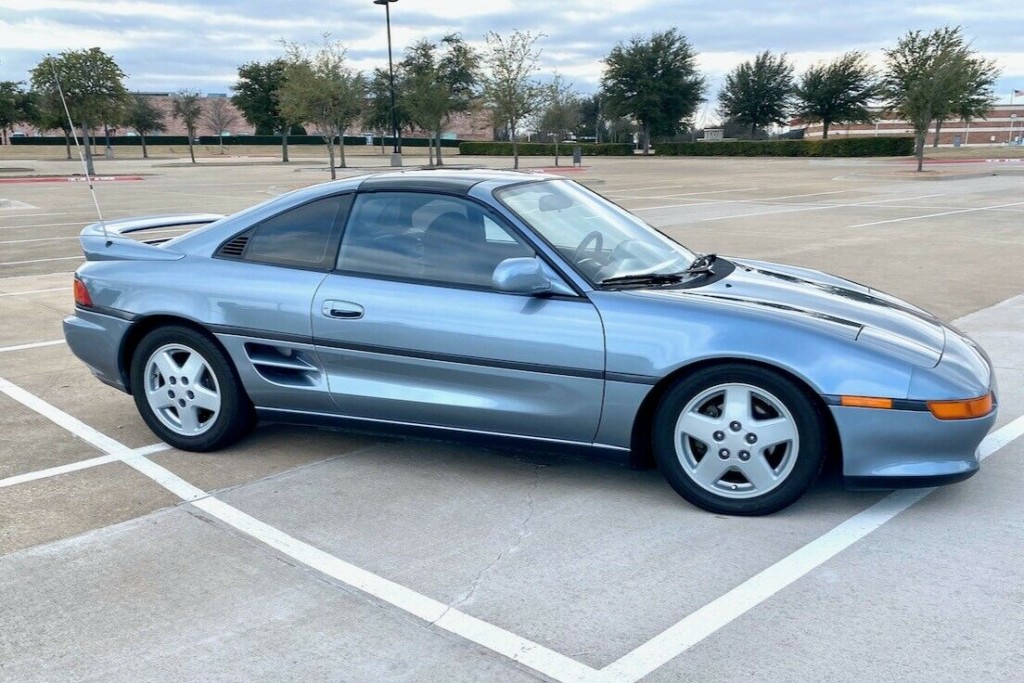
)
(601, 239)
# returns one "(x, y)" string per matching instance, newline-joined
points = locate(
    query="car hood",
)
(816, 295)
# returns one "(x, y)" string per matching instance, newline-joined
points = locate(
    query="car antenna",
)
(78, 146)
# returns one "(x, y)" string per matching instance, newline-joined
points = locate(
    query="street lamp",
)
(396, 154)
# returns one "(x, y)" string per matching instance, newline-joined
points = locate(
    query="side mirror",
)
(523, 275)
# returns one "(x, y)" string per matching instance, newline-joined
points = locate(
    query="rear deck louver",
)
(235, 248)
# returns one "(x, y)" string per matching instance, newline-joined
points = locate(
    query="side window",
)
(419, 236)
(301, 237)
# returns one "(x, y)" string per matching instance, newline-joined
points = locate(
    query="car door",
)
(410, 330)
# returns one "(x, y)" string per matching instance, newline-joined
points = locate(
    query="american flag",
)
(1018, 93)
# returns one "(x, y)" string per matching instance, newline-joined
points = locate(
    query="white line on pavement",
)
(812, 207)
(936, 215)
(40, 260)
(519, 649)
(37, 291)
(677, 639)
(78, 465)
(34, 345)
(689, 194)
(741, 201)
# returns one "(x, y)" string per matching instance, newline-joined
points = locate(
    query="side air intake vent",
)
(235, 248)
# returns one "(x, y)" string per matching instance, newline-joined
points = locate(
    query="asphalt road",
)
(312, 554)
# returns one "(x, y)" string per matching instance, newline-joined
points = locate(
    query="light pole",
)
(1013, 120)
(396, 154)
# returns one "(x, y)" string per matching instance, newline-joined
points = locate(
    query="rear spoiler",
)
(106, 242)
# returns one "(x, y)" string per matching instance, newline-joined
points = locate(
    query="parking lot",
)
(314, 554)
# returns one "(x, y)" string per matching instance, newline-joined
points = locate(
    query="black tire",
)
(235, 416)
(793, 465)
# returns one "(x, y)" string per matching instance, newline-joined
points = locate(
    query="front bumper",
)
(907, 448)
(96, 339)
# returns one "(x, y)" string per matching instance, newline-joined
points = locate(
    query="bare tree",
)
(321, 89)
(219, 116)
(509, 86)
(562, 114)
(185, 105)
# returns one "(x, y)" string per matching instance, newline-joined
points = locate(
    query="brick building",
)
(1003, 125)
(473, 126)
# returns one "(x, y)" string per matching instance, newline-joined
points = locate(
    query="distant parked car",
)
(526, 306)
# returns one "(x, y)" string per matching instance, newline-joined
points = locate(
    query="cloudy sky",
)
(167, 45)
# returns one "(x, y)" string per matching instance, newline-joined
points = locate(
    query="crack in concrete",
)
(524, 532)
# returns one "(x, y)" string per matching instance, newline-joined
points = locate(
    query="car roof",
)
(456, 181)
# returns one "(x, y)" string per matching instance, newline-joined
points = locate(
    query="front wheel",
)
(739, 440)
(187, 392)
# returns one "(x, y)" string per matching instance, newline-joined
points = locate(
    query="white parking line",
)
(741, 201)
(40, 260)
(689, 194)
(436, 613)
(936, 215)
(677, 639)
(814, 207)
(36, 291)
(78, 466)
(34, 345)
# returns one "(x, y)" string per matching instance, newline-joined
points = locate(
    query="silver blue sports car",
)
(519, 305)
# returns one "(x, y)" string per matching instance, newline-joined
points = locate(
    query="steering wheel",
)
(581, 250)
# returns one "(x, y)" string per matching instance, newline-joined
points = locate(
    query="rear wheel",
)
(187, 391)
(739, 440)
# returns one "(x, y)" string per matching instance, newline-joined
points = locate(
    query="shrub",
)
(840, 147)
(544, 149)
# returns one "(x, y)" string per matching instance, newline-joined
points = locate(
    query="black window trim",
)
(330, 251)
(489, 211)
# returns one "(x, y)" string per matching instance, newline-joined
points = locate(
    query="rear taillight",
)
(82, 297)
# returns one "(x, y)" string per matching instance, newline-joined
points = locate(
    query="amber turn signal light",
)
(82, 297)
(962, 410)
(865, 402)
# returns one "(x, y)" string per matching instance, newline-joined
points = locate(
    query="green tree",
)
(48, 114)
(837, 92)
(653, 81)
(11, 112)
(144, 118)
(186, 105)
(321, 89)
(509, 85)
(757, 93)
(973, 94)
(928, 76)
(438, 82)
(592, 120)
(377, 113)
(257, 96)
(561, 117)
(93, 87)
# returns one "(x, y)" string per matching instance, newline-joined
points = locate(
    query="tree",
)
(11, 112)
(321, 89)
(185, 105)
(837, 92)
(219, 117)
(654, 81)
(48, 114)
(562, 115)
(757, 93)
(509, 86)
(592, 116)
(930, 75)
(973, 95)
(257, 96)
(438, 82)
(93, 87)
(144, 118)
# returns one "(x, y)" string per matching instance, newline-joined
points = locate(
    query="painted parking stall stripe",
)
(519, 649)
(679, 638)
(34, 345)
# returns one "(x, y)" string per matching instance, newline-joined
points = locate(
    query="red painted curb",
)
(72, 179)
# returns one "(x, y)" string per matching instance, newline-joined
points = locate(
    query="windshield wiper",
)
(700, 266)
(644, 279)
